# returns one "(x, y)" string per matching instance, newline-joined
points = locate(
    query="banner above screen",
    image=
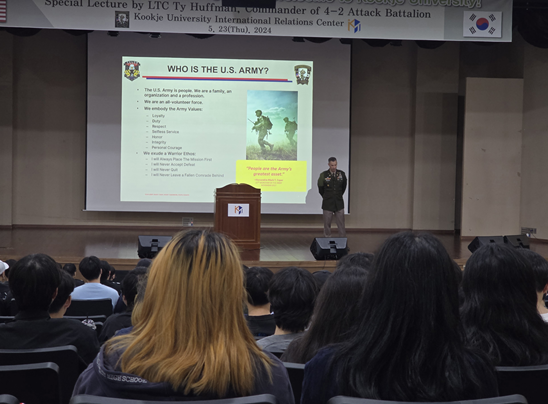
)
(449, 20)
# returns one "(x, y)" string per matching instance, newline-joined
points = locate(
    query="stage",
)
(279, 247)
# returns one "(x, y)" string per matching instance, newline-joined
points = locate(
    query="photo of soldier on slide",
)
(272, 125)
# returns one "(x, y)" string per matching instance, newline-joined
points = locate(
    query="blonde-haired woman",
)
(189, 336)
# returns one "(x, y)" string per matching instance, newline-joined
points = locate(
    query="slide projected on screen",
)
(189, 126)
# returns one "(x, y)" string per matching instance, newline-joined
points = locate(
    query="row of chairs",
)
(63, 365)
(36, 376)
(270, 399)
(99, 307)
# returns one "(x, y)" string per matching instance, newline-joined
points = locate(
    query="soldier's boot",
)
(271, 146)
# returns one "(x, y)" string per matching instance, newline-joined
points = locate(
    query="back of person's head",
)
(144, 262)
(359, 259)
(90, 268)
(139, 271)
(499, 311)
(66, 286)
(33, 282)
(408, 332)
(105, 270)
(335, 313)
(112, 273)
(539, 265)
(70, 269)
(189, 330)
(129, 288)
(292, 293)
(321, 277)
(256, 285)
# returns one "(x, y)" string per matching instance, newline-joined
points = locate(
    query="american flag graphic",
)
(3, 10)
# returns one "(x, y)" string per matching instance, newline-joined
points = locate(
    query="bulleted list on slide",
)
(192, 125)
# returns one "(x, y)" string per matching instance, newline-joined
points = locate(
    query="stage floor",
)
(119, 246)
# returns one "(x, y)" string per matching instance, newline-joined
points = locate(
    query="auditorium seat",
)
(259, 399)
(90, 308)
(513, 399)
(296, 376)
(277, 352)
(530, 381)
(6, 319)
(36, 383)
(65, 357)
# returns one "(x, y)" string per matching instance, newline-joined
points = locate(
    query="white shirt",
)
(95, 291)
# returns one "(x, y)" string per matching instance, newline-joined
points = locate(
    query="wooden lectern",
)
(238, 214)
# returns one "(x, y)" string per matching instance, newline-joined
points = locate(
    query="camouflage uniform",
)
(260, 127)
(290, 128)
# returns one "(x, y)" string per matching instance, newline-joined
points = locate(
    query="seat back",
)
(88, 308)
(36, 383)
(296, 377)
(6, 319)
(529, 381)
(513, 399)
(65, 357)
(276, 352)
(259, 399)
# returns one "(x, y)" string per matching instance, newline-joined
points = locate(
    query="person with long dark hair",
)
(408, 344)
(499, 312)
(189, 337)
(334, 314)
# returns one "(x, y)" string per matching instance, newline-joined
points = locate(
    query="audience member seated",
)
(34, 281)
(540, 268)
(63, 299)
(90, 268)
(71, 270)
(11, 263)
(320, 277)
(121, 307)
(359, 259)
(499, 312)
(106, 274)
(4, 287)
(5, 292)
(407, 344)
(144, 262)
(259, 318)
(335, 313)
(292, 293)
(190, 339)
(122, 320)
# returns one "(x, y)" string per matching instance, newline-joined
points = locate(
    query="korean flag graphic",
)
(482, 24)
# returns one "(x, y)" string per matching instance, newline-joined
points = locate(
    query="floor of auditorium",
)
(279, 248)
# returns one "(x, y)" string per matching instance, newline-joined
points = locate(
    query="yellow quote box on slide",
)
(272, 175)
